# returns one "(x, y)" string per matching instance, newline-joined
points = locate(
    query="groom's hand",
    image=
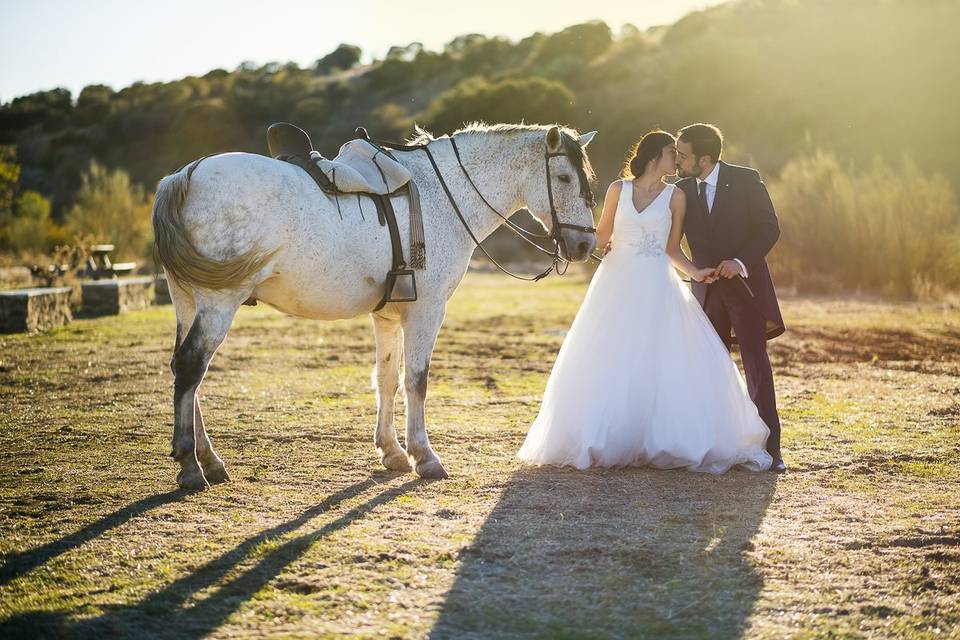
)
(728, 269)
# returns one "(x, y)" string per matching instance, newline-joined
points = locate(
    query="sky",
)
(69, 43)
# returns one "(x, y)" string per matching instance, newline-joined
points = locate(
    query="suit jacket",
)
(743, 224)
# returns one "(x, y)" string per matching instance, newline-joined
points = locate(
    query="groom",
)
(731, 225)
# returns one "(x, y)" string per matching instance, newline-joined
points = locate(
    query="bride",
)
(642, 377)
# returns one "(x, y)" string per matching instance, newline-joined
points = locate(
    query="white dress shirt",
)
(711, 181)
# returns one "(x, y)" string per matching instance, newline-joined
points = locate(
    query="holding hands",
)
(706, 276)
(726, 269)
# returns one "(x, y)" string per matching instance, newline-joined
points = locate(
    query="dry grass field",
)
(313, 539)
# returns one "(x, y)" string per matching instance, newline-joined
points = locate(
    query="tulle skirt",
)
(643, 379)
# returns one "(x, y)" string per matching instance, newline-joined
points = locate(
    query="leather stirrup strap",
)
(385, 208)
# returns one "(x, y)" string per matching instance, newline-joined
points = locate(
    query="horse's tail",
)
(176, 250)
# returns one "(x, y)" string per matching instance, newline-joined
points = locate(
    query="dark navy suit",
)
(742, 224)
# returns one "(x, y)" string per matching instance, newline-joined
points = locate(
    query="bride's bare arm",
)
(605, 226)
(678, 209)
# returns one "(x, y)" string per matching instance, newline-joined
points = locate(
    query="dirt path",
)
(861, 538)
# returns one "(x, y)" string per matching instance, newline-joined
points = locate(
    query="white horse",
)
(246, 226)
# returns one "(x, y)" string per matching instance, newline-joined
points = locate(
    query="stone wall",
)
(162, 290)
(111, 297)
(33, 310)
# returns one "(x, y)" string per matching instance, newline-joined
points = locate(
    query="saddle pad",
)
(360, 167)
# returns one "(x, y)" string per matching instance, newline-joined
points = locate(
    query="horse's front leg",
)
(386, 380)
(420, 328)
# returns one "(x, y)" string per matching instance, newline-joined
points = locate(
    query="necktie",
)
(703, 196)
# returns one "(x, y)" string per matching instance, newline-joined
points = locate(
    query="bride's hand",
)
(607, 247)
(706, 276)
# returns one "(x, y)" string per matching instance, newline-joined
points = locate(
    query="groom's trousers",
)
(727, 306)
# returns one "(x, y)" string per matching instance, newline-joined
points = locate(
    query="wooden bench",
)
(49, 274)
(99, 264)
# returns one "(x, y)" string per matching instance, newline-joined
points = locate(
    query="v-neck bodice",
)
(644, 232)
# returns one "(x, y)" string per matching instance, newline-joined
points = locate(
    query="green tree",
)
(310, 111)
(390, 121)
(483, 55)
(9, 181)
(582, 42)
(112, 209)
(346, 56)
(9, 177)
(93, 103)
(511, 100)
(30, 226)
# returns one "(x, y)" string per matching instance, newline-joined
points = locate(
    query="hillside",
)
(860, 78)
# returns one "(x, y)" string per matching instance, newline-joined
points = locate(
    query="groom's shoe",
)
(778, 466)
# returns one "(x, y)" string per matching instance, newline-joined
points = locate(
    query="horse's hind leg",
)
(386, 380)
(190, 362)
(213, 468)
(185, 307)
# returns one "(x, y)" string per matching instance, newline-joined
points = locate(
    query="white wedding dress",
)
(642, 377)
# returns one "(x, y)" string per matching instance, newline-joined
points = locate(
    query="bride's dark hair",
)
(648, 148)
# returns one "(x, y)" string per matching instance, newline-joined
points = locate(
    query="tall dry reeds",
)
(889, 230)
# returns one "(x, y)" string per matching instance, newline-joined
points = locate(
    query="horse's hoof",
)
(192, 480)
(396, 461)
(432, 470)
(216, 474)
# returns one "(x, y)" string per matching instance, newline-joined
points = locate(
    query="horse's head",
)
(559, 196)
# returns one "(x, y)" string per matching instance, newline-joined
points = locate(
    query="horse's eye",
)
(563, 177)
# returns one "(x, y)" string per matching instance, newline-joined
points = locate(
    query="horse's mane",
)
(573, 149)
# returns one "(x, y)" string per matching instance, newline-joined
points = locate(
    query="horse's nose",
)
(583, 247)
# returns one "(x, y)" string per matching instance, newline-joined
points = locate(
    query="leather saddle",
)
(361, 166)
(362, 169)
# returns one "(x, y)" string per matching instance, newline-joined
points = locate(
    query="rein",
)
(554, 235)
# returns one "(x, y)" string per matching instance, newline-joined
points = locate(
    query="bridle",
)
(569, 148)
(585, 192)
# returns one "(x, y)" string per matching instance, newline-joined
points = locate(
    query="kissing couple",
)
(644, 376)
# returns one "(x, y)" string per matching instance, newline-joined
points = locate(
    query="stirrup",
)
(401, 286)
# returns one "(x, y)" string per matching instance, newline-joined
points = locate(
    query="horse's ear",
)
(553, 140)
(585, 139)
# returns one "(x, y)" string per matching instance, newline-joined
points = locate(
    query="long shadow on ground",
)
(18, 564)
(620, 553)
(165, 613)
